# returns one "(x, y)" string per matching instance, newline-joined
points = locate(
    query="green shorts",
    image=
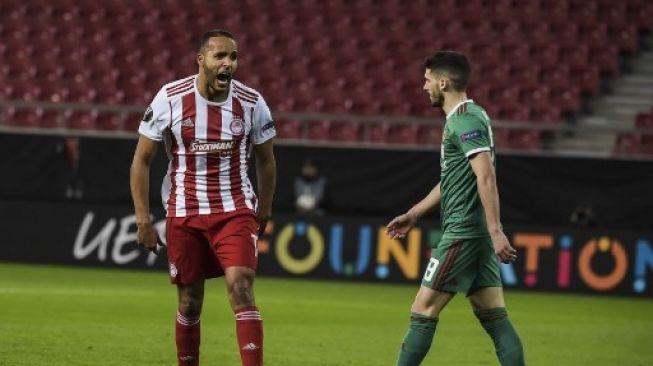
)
(463, 265)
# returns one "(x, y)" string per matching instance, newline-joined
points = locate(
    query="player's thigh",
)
(489, 272)
(430, 302)
(452, 266)
(235, 241)
(189, 253)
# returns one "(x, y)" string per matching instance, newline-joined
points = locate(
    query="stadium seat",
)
(80, 120)
(567, 99)
(403, 134)
(501, 137)
(524, 140)
(606, 58)
(288, 129)
(586, 79)
(525, 76)
(429, 135)
(346, 131)
(516, 113)
(520, 52)
(110, 122)
(318, 130)
(378, 132)
(644, 120)
(546, 114)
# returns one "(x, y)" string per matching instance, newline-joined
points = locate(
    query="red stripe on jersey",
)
(245, 98)
(182, 91)
(174, 166)
(247, 148)
(245, 92)
(213, 133)
(188, 136)
(235, 164)
(179, 85)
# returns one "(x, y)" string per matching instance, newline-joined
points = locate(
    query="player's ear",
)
(444, 84)
(200, 59)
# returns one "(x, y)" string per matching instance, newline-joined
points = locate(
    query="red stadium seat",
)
(524, 140)
(535, 96)
(132, 121)
(516, 113)
(568, 99)
(525, 76)
(576, 57)
(318, 130)
(80, 120)
(546, 114)
(288, 129)
(556, 78)
(378, 132)
(346, 131)
(403, 134)
(110, 122)
(429, 135)
(625, 37)
(501, 137)
(587, 79)
(595, 36)
(644, 120)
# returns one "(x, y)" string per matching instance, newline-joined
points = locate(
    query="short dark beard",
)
(438, 103)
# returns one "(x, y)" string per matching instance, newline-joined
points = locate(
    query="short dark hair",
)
(454, 64)
(214, 33)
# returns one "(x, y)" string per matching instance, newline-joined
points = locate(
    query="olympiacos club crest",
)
(237, 126)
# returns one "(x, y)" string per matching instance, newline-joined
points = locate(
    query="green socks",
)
(506, 340)
(417, 340)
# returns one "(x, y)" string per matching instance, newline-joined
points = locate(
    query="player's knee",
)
(190, 305)
(491, 314)
(241, 292)
(420, 306)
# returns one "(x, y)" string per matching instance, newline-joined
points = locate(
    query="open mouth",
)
(224, 77)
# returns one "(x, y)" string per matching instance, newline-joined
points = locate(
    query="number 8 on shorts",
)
(430, 269)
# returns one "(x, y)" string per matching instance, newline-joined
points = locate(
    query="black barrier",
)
(344, 248)
(533, 190)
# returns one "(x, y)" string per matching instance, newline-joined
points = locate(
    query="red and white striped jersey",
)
(208, 145)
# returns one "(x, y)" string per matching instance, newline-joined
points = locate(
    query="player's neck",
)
(452, 101)
(209, 93)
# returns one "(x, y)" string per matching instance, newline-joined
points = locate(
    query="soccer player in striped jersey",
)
(465, 259)
(209, 122)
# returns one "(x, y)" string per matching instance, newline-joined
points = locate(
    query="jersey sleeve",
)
(472, 135)
(156, 117)
(263, 126)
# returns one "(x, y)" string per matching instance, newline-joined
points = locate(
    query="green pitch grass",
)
(69, 316)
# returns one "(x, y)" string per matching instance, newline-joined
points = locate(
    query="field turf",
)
(54, 316)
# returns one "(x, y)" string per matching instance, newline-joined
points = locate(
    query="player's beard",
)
(437, 100)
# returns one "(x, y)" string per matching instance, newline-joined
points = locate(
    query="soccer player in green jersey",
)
(465, 259)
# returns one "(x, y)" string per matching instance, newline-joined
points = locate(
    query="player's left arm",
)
(486, 184)
(263, 134)
(266, 175)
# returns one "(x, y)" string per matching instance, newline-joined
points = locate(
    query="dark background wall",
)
(534, 190)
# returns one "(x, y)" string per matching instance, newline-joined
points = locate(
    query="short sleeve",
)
(263, 128)
(472, 135)
(156, 117)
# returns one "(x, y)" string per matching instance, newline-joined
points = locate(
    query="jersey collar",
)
(197, 92)
(453, 111)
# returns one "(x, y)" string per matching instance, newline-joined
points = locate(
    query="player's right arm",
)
(139, 181)
(155, 121)
(401, 225)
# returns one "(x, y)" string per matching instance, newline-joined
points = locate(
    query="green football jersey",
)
(467, 131)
